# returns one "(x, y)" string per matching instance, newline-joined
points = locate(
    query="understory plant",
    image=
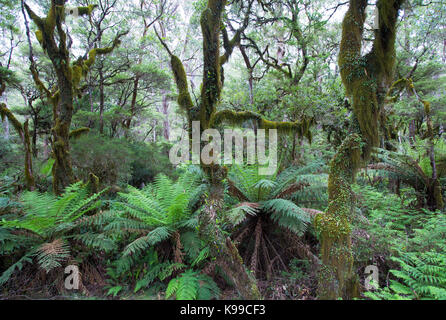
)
(408, 246)
(52, 232)
(160, 221)
(262, 213)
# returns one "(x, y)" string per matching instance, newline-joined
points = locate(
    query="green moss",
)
(81, 67)
(212, 75)
(364, 76)
(77, 133)
(86, 11)
(76, 75)
(427, 107)
(93, 183)
(50, 22)
(91, 58)
(184, 98)
(334, 226)
(55, 98)
(7, 114)
(39, 36)
(233, 117)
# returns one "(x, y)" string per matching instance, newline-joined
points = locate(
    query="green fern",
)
(49, 223)
(162, 207)
(262, 205)
(414, 240)
(192, 285)
(267, 196)
(422, 276)
(160, 212)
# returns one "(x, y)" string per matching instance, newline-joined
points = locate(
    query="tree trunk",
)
(34, 144)
(53, 40)
(336, 275)
(101, 101)
(221, 246)
(23, 132)
(6, 128)
(29, 174)
(166, 124)
(62, 114)
(365, 78)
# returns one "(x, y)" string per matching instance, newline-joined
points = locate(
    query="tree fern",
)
(152, 238)
(261, 206)
(159, 212)
(288, 215)
(259, 194)
(48, 225)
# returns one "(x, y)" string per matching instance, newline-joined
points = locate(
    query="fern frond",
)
(288, 215)
(96, 241)
(50, 255)
(151, 239)
(6, 275)
(192, 286)
(239, 214)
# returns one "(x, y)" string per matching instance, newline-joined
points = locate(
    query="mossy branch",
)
(5, 113)
(302, 128)
(233, 117)
(366, 78)
(82, 66)
(86, 11)
(40, 22)
(179, 74)
(212, 71)
(77, 133)
(351, 42)
(384, 42)
(229, 45)
(23, 132)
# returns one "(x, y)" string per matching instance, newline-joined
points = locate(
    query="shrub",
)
(109, 159)
(148, 161)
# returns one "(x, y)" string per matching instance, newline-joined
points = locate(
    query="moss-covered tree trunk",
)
(62, 114)
(53, 40)
(366, 80)
(336, 274)
(23, 132)
(221, 246)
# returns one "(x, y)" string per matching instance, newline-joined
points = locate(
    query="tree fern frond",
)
(192, 286)
(50, 255)
(239, 213)
(96, 241)
(151, 239)
(287, 215)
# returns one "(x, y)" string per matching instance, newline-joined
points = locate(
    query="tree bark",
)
(366, 79)
(166, 124)
(53, 40)
(101, 101)
(23, 132)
